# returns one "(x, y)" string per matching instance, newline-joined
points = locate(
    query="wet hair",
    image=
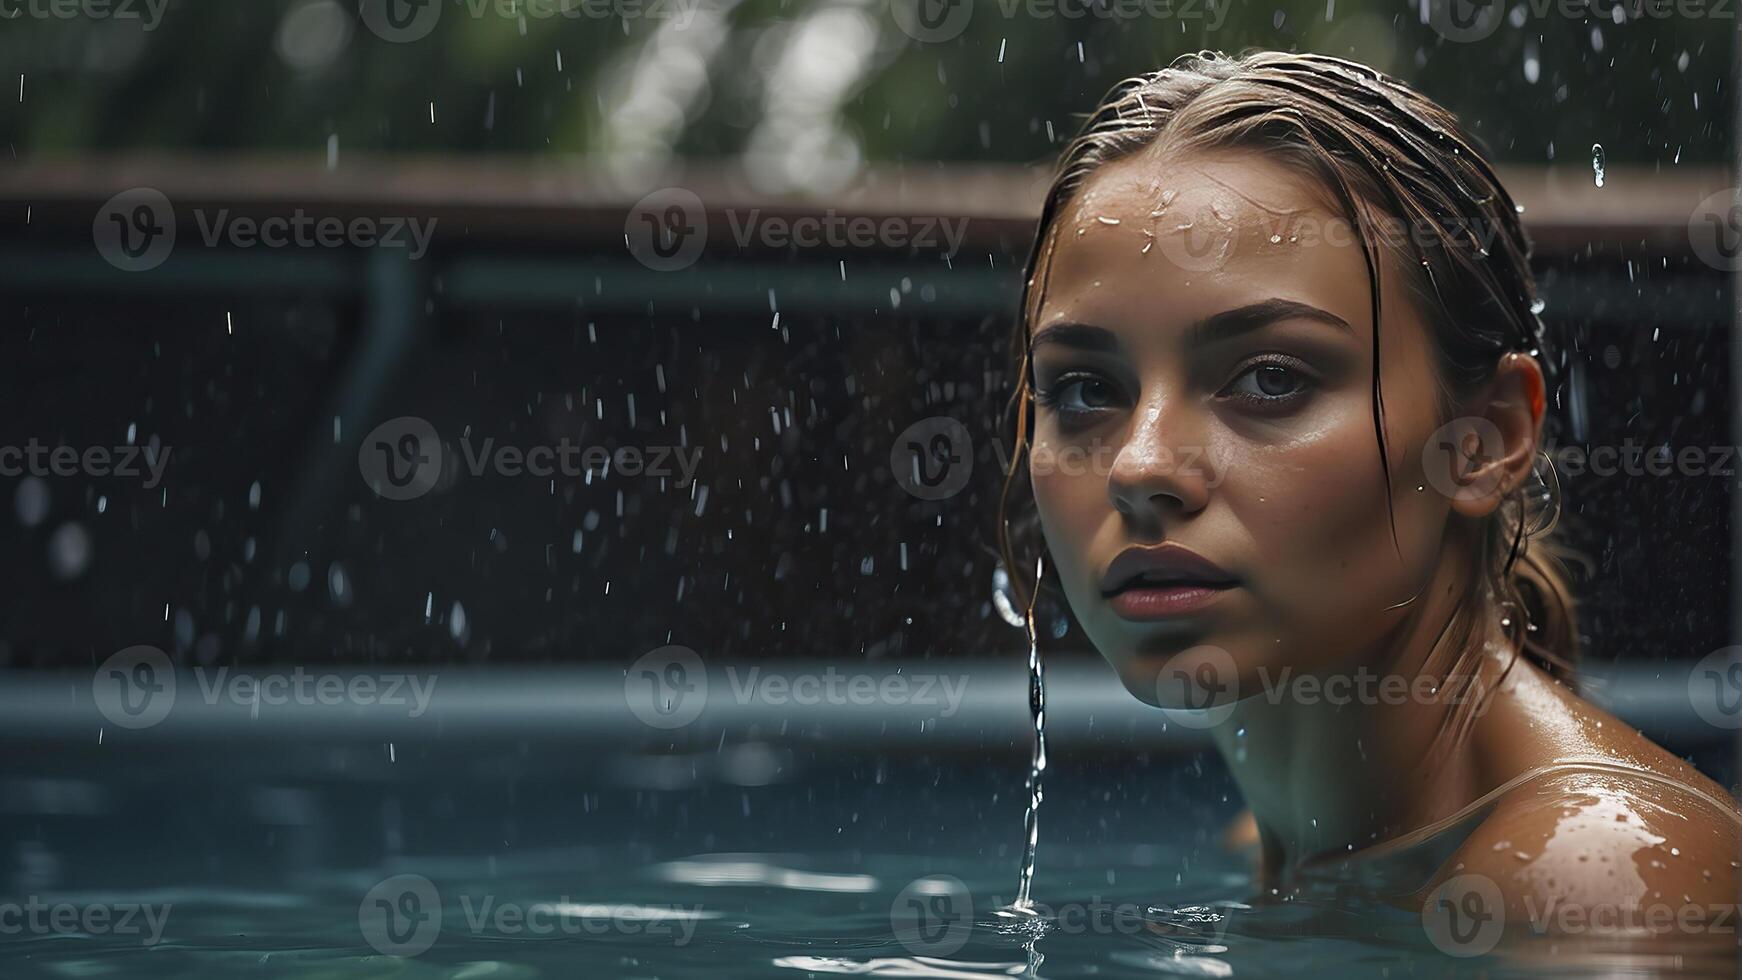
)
(1383, 152)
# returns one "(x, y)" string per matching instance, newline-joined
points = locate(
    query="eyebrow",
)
(1217, 328)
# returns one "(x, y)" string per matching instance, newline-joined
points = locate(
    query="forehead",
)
(1171, 238)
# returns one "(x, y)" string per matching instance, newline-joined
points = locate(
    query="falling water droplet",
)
(1024, 904)
(1597, 159)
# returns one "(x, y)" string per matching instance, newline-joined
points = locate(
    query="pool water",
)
(771, 915)
(489, 863)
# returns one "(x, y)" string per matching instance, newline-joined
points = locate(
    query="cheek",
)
(1073, 505)
(1317, 513)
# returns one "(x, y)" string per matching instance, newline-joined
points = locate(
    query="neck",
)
(1334, 762)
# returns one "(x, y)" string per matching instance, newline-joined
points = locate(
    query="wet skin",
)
(1203, 360)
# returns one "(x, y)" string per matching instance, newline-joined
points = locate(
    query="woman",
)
(1282, 395)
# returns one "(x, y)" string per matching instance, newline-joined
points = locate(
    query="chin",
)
(1186, 671)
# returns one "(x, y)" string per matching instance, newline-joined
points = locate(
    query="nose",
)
(1164, 467)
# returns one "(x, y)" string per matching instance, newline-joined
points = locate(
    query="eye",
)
(1079, 394)
(1268, 382)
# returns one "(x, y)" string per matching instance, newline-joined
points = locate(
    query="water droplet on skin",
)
(1275, 239)
(1106, 220)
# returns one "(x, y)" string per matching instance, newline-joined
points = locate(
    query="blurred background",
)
(547, 223)
(510, 141)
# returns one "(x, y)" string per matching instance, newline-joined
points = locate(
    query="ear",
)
(1497, 436)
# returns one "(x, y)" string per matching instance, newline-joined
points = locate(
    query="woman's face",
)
(1204, 372)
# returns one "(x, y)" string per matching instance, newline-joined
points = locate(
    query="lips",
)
(1163, 581)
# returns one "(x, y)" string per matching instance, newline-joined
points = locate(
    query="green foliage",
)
(213, 75)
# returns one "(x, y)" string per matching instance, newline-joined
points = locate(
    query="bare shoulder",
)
(1600, 818)
(1621, 844)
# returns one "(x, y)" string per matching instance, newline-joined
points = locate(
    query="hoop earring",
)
(1540, 504)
